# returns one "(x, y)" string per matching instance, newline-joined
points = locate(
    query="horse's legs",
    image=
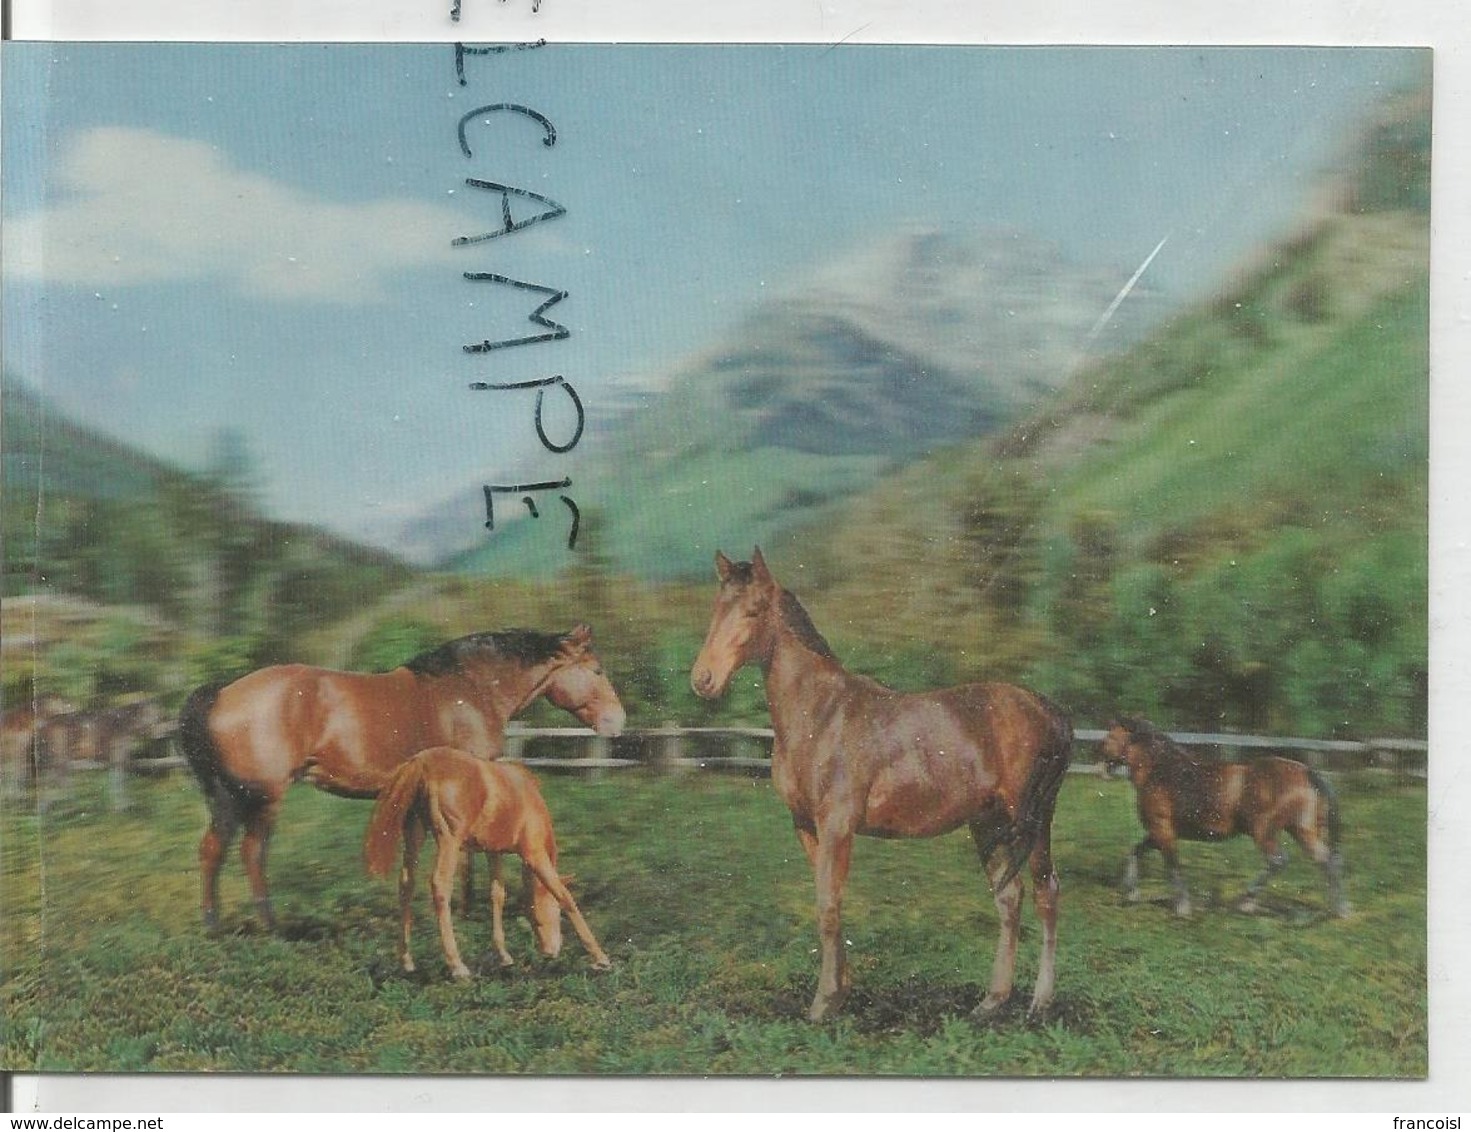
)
(1330, 860)
(467, 887)
(1276, 859)
(441, 883)
(258, 825)
(808, 840)
(224, 821)
(1008, 899)
(1045, 891)
(497, 910)
(834, 853)
(413, 840)
(1131, 868)
(545, 872)
(1177, 876)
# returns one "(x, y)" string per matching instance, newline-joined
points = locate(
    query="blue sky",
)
(258, 237)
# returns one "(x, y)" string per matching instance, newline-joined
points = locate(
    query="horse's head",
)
(739, 625)
(1119, 745)
(545, 913)
(578, 685)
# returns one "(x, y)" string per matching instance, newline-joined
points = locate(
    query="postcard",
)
(730, 560)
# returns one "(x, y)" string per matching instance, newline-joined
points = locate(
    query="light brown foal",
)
(468, 802)
(854, 757)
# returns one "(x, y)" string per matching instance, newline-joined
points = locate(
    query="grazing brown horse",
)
(29, 731)
(854, 757)
(495, 807)
(346, 732)
(1180, 798)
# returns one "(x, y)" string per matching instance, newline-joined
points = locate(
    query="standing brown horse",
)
(854, 757)
(494, 807)
(1180, 798)
(346, 732)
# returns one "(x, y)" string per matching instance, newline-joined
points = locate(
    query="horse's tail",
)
(1033, 815)
(226, 796)
(1330, 800)
(391, 812)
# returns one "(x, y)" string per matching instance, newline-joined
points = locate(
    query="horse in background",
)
(1180, 798)
(854, 757)
(29, 731)
(491, 806)
(43, 740)
(347, 732)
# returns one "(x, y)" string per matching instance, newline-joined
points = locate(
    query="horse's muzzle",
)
(610, 723)
(702, 680)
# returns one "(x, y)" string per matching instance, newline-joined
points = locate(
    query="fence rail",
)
(669, 748)
(666, 748)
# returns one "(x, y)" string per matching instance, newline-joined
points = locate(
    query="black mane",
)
(798, 622)
(1156, 740)
(526, 646)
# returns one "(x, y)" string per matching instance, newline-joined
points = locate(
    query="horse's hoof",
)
(824, 1008)
(212, 922)
(460, 973)
(507, 961)
(988, 1007)
(408, 966)
(603, 964)
(1131, 896)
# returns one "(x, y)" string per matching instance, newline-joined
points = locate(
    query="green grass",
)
(698, 890)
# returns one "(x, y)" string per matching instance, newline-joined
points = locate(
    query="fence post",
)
(598, 747)
(118, 751)
(670, 751)
(515, 742)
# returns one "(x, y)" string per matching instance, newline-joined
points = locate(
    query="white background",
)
(1442, 25)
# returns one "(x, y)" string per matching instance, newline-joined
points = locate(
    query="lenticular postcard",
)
(701, 559)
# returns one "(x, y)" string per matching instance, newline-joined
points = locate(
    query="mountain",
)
(77, 460)
(91, 517)
(1226, 526)
(884, 356)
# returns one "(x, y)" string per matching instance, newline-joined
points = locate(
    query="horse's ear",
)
(580, 636)
(759, 569)
(723, 566)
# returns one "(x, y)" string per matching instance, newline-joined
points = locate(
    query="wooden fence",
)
(672, 749)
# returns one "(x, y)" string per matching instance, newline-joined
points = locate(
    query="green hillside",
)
(163, 577)
(1226, 527)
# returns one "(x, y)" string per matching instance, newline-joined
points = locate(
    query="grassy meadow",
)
(697, 888)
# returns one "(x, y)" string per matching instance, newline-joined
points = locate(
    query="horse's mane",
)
(795, 618)
(525, 646)
(792, 614)
(1160, 745)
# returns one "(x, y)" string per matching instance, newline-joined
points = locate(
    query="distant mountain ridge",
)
(886, 355)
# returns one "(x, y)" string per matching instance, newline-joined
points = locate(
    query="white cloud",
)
(139, 206)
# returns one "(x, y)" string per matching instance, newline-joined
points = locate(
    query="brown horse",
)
(346, 732)
(29, 748)
(494, 807)
(1180, 798)
(854, 757)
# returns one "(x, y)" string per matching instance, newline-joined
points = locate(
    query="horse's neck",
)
(798, 680)
(498, 690)
(1165, 764)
